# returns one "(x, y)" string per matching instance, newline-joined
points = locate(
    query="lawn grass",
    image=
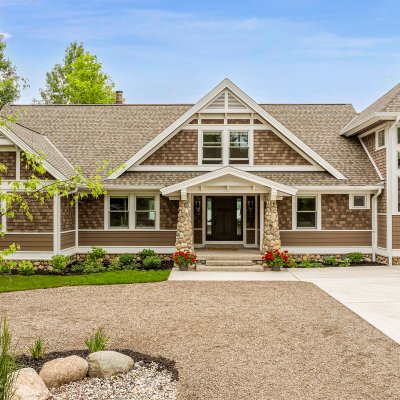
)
(11, 283)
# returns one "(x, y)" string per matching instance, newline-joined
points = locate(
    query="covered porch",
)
(228, 208)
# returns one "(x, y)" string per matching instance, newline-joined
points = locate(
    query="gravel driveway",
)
(230, 340)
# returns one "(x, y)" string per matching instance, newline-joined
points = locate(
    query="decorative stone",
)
(28, 385)
(64, 370)
(104, 364)
(271, 235)
(184, 232)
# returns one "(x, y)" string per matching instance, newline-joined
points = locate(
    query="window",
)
(380, 139)
(306, 212)
(359, 201)
(145, 212)
(119, 212)
(398, 135)
(398, 159)
(212, 147)
(238, 147)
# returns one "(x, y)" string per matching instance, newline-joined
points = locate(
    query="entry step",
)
(230, 268)
(238, 263)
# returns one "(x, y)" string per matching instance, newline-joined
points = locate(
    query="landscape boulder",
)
(63, 370)
(103, 364)
(28, 385)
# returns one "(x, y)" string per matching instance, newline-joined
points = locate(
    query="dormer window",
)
(238, 147)
(212, 147)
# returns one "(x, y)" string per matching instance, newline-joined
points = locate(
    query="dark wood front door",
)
(224, 218)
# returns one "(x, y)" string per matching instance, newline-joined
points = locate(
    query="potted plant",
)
(183, 259)
(276, 259)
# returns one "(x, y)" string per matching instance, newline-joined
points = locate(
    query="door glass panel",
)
(239, 219)
(209, 216)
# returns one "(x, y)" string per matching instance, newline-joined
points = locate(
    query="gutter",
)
(375, 223)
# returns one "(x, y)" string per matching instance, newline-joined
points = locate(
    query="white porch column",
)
(184, 231)
(271, 235)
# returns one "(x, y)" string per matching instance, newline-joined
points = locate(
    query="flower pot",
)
(183, 268)
(276, 268)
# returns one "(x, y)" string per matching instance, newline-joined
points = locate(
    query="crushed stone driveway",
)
(230, 340)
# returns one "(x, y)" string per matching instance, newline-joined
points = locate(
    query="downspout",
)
(375, 223)
(390, 167)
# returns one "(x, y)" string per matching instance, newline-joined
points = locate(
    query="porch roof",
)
(223, 176)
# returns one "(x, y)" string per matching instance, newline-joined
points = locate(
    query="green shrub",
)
(25, 268)
(59, 263)
(330, 260)
(93, 266)
(97, 253)
(309, 264)
(78, 267)
(5, 268)
(98, 341)
(146, 253)
(37, 350)
(114, 265)
(355, 258)
(344, 263)
(8, 365)
(128, 261)
(152, 262)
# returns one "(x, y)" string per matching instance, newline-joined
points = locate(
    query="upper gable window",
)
(212, 147)
(238, 147)
(380, 139)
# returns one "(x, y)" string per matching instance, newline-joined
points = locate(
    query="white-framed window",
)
(380, 139)
(238, 147)
(132, 211)
(306, 212)
(359, 201)
(212, 147)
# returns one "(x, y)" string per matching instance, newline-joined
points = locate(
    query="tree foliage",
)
(10, 82)
(78, 80)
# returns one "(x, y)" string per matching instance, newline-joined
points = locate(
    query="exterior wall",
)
(127, 238)
(326, 238)
(29, 241)
(67, 215)
(8, 158)
(336, 214)
(67, 240)
(382, 232)
(182, 149)
(269, 149)
(168, 213)
(285, 213)
(26, 171)
(396, 231)
(42, 218)
(91, 213)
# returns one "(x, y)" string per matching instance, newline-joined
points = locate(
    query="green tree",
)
(54, 93)
(10, 82)
(78, 80)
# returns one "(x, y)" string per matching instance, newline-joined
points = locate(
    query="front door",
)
(224, 218)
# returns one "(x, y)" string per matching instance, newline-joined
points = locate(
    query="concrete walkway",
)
(371, 292)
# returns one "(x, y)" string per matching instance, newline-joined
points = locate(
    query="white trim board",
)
(227, 84)
(328, 250)
(128, 249)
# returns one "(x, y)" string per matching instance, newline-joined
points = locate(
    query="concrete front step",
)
(237, 263)
(230, 268)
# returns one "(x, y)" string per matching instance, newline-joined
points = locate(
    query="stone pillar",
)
(271, 235)
(184, 231)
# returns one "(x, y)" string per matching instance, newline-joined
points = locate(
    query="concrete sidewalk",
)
(371, 292)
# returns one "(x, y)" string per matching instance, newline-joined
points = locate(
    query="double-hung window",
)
(306, 212)
(238, 147)
(145, 214)
(119, 212)
(212, 147)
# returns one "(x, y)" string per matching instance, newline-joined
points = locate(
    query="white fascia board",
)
(200, 168)
(23, 146)
(227, 84)
(229, 171)
(340, 189)
(369, 120)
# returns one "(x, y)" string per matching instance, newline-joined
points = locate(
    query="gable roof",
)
(211, 96)
(385, 108)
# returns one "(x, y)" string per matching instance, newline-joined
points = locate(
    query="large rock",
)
(63, 370)
(104, 364)
(29, 385)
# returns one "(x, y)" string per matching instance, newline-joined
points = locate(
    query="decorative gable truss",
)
(229, 116)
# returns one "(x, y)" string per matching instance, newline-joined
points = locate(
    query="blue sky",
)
(159, 51)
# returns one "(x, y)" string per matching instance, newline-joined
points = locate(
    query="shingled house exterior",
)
(313, 178)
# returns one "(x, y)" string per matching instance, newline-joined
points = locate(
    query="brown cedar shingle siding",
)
(29, 242)
(382, 231)
(42, 218)
(396, 232)
(8, 159)
(335, 214)
(127, 238)
(26, 171)
(326, 238)
(168, 213)
(67, 240)
(269, 149)
(91, 213)
(285, 213)
(179, 150)
(67, 215)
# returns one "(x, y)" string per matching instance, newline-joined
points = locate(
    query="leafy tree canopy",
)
(78, 80)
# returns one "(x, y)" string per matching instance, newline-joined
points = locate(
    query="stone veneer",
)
(271, 236)
(181, 149)
(184, 232)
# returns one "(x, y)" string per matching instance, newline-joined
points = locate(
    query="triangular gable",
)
(242, 98)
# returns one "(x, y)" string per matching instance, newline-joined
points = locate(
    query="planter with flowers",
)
(183, 259)
(276, 259)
